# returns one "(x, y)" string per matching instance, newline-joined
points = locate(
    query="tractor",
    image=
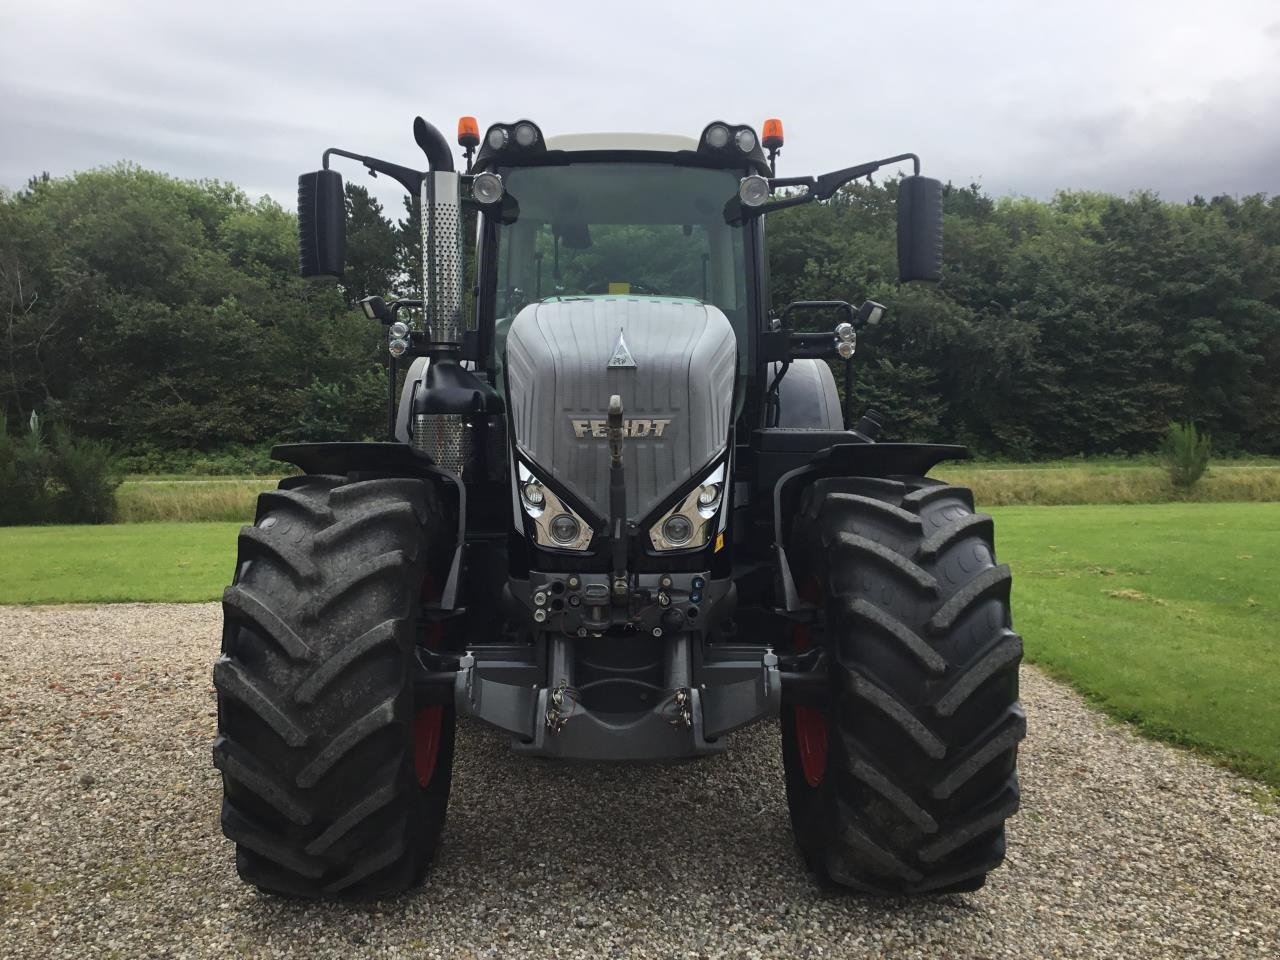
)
(621, 511)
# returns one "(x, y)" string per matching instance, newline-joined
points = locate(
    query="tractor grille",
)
(444, 438)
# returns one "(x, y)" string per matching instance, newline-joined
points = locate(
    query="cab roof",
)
(658, 142)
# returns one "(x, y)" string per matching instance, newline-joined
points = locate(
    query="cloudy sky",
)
(1023, 97)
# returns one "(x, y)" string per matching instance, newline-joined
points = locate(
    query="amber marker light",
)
(771, 137)
(468, 132)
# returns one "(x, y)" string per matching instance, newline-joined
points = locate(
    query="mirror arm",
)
(825, 186)
(410, 179)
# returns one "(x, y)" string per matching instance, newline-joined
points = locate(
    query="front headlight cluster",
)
(691, 522)
(523, 135)
(398, 338)
(721, 136)
(555, 523)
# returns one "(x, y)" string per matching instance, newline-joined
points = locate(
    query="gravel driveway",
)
(109, 842)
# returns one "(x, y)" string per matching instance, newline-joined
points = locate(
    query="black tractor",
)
(620, 513)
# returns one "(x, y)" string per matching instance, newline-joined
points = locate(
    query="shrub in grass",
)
(84, 479)
(70, 481)
(1186, 454)
(24, 476)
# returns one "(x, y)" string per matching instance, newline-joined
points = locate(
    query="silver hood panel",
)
(559, 382)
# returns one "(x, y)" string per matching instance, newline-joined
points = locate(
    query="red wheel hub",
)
(811, 726)
(426, 743)
(428, 721)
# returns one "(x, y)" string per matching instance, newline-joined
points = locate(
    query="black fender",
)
(807, 396)
(385, 459)
(845, 459)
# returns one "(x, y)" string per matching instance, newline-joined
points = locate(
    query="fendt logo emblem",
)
(599, 429)
(621, 356)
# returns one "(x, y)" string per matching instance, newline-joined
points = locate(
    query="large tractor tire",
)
(333, 784)
(902, 784)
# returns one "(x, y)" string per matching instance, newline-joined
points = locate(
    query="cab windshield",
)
(621, 229)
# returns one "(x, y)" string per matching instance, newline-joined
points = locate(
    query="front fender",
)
(385, 459)
(846, 460)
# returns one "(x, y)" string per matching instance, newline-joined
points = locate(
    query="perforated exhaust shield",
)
(442, 255)
(444, 438)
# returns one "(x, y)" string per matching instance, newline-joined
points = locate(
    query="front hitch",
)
(617, 502)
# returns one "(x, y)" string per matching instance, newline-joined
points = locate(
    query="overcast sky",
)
(1022, 97)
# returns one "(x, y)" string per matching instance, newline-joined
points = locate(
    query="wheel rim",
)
(810, 725)
(426, 743)
(811, 743)
(427, 722)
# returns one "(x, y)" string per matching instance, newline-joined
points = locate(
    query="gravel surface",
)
(109, 842)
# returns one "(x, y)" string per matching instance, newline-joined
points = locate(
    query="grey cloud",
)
(1024, 98)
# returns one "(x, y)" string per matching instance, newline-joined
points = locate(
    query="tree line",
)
(165, 316)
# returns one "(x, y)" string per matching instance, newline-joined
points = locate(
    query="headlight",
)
(709, 499)
(555, 524)
(534, 498)
(487, 188)
(398, 330)
(526, 134)
(845, 348)
(677, 529)
(753, 190)
(565, 529)
(691, 522)
(398, 347)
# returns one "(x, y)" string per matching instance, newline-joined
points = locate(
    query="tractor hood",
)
(673, 363)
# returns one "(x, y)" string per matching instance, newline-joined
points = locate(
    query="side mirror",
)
(919, 228)
(869, 313)
(322, 224)
(375, 308)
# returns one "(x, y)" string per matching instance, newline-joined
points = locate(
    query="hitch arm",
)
(617, 501)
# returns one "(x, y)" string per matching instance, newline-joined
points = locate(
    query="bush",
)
(74, 481)
(230, 460)
(1186, 454)
(85, 481)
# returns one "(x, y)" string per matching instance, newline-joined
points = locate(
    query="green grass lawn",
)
(192, 498)
(124, 561)
(1166, 615)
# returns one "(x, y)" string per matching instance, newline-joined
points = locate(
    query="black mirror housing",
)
(375, 308)
(919, 228)
(322, 224)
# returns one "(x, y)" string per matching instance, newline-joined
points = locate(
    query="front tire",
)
(903, 782)
(333, 785)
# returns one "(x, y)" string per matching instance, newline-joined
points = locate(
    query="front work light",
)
(497, 138)
(691, 523)
(526, 134)
(753, 190)
(555, 524)
(745, 139)
(717, 136)
(487, 188)
(678, 529)
(565, 529)
(398, 347)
